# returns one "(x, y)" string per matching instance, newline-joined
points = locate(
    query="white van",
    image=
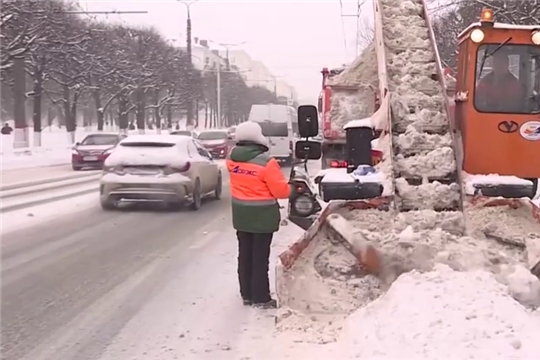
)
(277, 123)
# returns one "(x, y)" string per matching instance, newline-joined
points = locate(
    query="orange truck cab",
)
(497, 111)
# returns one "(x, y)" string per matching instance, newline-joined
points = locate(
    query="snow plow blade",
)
(328, 220)
(366, 254)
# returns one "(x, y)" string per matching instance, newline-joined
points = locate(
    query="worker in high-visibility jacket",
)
(256, 184)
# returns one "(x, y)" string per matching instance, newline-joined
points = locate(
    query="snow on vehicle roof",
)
(149, 150)
(366, 122)
(341, 176)
(106, 133)
(500, 26)
(272, 112)
(492, 179)
(159, 139)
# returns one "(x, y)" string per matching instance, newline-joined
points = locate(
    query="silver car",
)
(159, 168)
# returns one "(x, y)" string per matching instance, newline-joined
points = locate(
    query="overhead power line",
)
(344, 33)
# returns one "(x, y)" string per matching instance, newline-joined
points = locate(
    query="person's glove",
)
(293, 192)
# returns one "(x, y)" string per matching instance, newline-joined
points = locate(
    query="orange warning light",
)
(487, 15)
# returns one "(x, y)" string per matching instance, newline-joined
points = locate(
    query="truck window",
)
(274, 128)
(507, 83)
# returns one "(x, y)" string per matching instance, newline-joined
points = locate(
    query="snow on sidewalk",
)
(199, 313)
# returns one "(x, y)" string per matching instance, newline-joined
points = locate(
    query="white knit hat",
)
(250, 131)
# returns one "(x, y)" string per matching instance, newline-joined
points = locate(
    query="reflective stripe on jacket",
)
(256, 183)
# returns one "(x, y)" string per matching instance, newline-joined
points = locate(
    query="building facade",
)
(257, 74)
(254, 72)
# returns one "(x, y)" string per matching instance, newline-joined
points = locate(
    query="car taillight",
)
(169, 170)
(290, 145)
(75, 152)
(376, 156)
(338, 164)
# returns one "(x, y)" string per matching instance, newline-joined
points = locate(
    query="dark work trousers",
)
(253, 258)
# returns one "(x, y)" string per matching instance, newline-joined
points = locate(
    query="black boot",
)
(246, 302)
(271, 304)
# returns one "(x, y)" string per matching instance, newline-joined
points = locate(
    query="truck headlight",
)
(303, 205)
(535, 37)
(477, 36)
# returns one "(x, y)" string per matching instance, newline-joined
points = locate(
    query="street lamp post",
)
(189, 107)
(227, 47)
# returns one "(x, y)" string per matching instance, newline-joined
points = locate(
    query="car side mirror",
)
(77, 143)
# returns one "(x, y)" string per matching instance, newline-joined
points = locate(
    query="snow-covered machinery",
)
(432, 209)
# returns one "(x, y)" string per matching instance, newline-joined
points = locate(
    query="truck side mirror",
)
(308, 121)
(305, 149)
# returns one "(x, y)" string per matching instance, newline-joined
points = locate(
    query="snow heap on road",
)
(443, 314)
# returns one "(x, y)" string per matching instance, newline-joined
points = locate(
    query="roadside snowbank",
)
(443, 314)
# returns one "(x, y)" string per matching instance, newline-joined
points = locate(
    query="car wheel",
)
(76, 168)
(197, 198)
(219, 188)
(108, 204)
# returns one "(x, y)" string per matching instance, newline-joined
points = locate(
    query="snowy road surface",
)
(15, 176)
(143, 284)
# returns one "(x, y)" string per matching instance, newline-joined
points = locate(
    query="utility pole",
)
(189, 105)
(357, 16)
(218, 92)
(227, 70)
(227, 47)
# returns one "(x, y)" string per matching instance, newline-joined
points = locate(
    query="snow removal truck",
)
(434, 197)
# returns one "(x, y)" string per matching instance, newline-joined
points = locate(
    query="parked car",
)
(162, 168)
(193, 133)
(217, 142)
(93, 150)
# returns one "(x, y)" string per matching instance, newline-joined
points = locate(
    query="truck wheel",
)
(535, 187)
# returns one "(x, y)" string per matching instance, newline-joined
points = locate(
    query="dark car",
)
(193, 133)
(93, 150)
(216, 142)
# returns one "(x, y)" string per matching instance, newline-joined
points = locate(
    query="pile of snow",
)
(351, 104)
(362, 72)
(443, 314)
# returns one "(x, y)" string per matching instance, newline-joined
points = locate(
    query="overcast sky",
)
(293, 38)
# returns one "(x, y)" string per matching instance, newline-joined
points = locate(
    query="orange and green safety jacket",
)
(256, 184)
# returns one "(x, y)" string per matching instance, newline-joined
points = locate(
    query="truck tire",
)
(535, 187)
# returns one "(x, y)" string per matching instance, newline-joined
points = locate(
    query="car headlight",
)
(303, 205)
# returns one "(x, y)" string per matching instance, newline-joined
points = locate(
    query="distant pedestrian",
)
(256, 184)
(6, 129)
